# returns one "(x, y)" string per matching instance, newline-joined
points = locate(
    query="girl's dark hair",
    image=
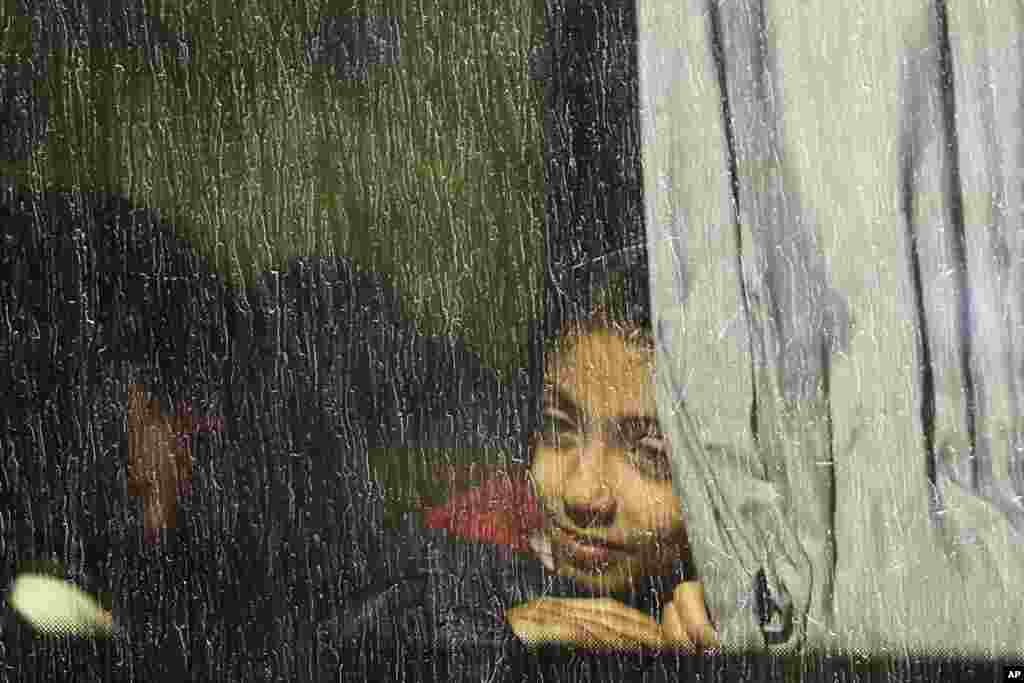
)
(612, 288)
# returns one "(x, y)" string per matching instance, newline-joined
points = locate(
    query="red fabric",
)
(198, 423)
(502, 511)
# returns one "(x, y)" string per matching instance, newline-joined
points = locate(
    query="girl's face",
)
(601, 464)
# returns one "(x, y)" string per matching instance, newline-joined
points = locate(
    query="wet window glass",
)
(501, 341)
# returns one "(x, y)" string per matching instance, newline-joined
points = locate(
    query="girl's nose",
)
(589, 498)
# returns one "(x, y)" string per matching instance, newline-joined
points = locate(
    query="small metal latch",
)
(774, 618)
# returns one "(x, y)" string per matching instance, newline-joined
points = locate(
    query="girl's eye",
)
(650, 457)
(557, 429)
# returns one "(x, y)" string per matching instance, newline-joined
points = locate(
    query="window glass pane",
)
(327, 346)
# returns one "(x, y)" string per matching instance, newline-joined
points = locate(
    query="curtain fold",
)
(834, 232)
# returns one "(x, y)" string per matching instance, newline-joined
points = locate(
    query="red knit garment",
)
(502, 511)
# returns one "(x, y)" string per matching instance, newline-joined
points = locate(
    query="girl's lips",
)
(586, 550)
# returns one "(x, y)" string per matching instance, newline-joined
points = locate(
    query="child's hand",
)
(606, 624)
(159, 459)
(685, 619)
(601, 624)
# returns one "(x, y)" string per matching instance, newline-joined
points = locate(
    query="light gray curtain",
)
(834, 201)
